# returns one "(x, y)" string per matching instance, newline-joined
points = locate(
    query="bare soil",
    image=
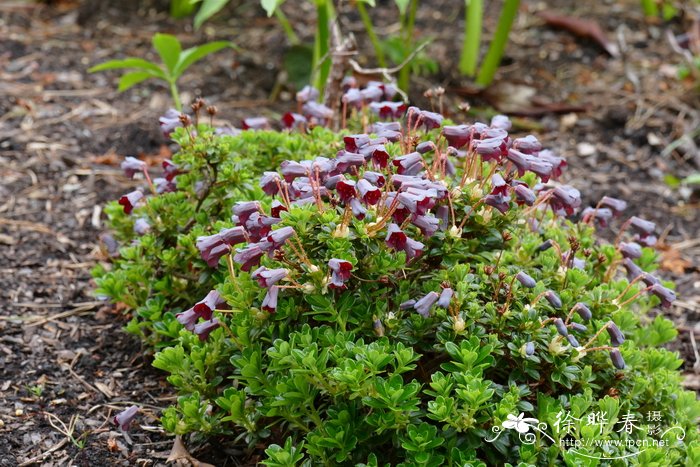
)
(67, 367)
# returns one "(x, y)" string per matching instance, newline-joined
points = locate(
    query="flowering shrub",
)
(399, 296)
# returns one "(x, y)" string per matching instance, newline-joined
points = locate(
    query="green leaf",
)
(132, 78)
(371, 3)
(270, 6)
(169, 48)
(402, 5)
(692, 179)
(129, 63)
(194, 54)
(208, 9)
(182, 8)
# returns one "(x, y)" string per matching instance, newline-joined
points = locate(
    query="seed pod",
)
(561, 327)
(616, 336)
(617, 360)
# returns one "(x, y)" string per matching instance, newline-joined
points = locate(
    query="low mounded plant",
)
(403, 295)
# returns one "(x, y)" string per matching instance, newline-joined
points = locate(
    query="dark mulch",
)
(65, 364)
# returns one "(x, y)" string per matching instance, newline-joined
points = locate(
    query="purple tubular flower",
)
(276, 209)
(269, 183)
(353, 98)
(529, 349)
(348, 82)
(583, 311)
(572, 340)
(520, 160)
(388, 109)
(395, 237)
(500, 202)
(132, 165)
(358, 210)
(249, 256)
(141, 226)
(616, 336)
(403, 163)
(255, 123)
(317, 111)
(643, 227)
(163, 185)
(630, 250)
(546, 245)
(212, 248)
(372, 94)
(291, 170)
(244, 209)
(578, 327)
(501, 122)
(354, 142)
(269, 277)
(307, 93)
(498, 185)
(346, 190)
(541, 168)
(666, 295)
(457, 136)
(616, 205)
(491, 149)
(407, 304)
(188, 319)
(646, 240)
(602, 215)
(633, 271)
(443, 214)
(424, 305)
(344, 160)
(170, 170)
(561, 327)
(425, 147)
(412, 248)
(528, 145)
(124, 418)
(269, 303)
(617, 360)
(430, 120)
(565, 198)
(525, 195)
(445, 298)
(428, 225)
(340, 272)
(279, 236)
(129, 200)
(169, 122)
(205, 307)
(292, 120)
(375, 178)
(526, 280)
(558, 163)
(232, 236)
(378, 127)
(370, 194)
(204, 329)
(553, 299)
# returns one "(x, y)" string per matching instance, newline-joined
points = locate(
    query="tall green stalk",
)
(321, 44)
(287, 27)
(367, 21)
(473, 15)
(498, 44)
(650, 8)
(408, 24)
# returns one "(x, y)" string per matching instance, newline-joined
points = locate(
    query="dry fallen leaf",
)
(583, 28)
(672, 260)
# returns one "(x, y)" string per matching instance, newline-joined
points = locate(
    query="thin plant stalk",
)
(367, 21)
(650, 8)
(498, 44)
(287, 27)
(408, 26)
(321, 44)
(175, 95)
(473, 16)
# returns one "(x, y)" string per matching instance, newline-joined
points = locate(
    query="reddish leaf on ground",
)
(585, 28)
